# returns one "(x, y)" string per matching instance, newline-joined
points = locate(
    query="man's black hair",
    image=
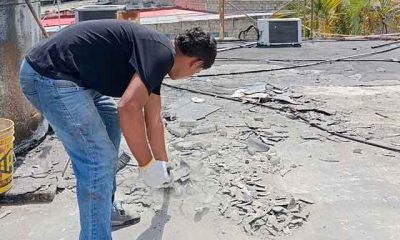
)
(197, 43)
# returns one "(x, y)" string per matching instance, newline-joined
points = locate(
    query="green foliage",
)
(356, 17)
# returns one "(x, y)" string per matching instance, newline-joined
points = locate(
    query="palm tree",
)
(360, 16)
(387, 12)
(327, 15)
(357, 17)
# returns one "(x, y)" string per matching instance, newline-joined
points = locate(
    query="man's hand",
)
(155, 174)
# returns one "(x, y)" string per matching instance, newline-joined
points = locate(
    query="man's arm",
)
(130, 112)
(155, 127)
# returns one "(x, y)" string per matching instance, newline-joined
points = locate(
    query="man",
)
(71, 78)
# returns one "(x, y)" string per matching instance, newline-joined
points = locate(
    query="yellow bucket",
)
(6, 154)
(6, 127)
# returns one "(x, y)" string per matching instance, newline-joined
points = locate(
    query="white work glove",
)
(155, 174)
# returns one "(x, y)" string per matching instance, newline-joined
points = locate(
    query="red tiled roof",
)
(169, 12)
(68, 18)
(51, 19)
(54, 21)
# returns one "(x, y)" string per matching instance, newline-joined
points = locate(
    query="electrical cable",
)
(343, 60)
(244, 32)
(305, 60)
(236, 47)
(299, 66)
(385, 44)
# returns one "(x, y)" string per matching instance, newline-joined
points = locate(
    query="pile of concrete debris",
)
(243, 195)
(237, 164)
(259, 208)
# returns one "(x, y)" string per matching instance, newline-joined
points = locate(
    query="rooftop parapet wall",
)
(233, 26)
(244, 5)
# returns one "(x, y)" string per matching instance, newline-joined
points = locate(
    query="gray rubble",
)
(244, 197)
(202, 129)
(261, 209)
(185, 108)
(177, 131)
(36, 174)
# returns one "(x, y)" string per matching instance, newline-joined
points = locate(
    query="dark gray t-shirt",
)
(104, 55)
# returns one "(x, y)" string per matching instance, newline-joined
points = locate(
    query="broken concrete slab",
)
(266, 141)
(304, 198)
(273, 210)
(177, 131)
(202, 129)
(285, 99)
(257, 145)
(256, 97)
(180, 174)
(168, 115)
(239, 93)
(29, 190)
(188, 145)
(187, 123)
(253, 124)
(184, 108)
(35, 180)
(310, 136)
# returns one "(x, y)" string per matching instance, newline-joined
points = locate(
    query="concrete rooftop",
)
(354, 186)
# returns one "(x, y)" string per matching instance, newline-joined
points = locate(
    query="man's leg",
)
(107, 108)
(75, 119)
(84, 135)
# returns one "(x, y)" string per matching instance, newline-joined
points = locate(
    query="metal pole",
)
(312, 20)
(304, 18)
(59, 14)
(221, 19)
(28, 2)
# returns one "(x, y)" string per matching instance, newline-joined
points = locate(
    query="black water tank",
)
(93, 12)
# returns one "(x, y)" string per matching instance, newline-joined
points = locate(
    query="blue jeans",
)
(87, 124)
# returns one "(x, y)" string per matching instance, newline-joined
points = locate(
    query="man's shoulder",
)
(144, 33)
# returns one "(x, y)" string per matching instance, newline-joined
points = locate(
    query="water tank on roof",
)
(93, 12)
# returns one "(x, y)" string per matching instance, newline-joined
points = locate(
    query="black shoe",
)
(119, 217)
